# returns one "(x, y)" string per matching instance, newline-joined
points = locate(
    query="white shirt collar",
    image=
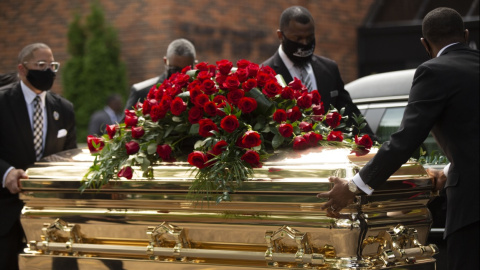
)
(288, 63)
(443, 49)
(30, 95)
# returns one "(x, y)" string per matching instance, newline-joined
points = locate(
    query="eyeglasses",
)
(43, 65)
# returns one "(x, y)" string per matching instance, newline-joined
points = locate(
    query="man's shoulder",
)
(147, 84)
(59, 100)
(5, 89)
(272, 61)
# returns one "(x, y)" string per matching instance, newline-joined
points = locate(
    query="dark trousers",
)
(11, 244)
(463, 248)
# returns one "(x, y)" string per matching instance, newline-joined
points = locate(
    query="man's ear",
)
(22, 71)
(165, 60)
(466, 34)
(427, 47)
(279, 34)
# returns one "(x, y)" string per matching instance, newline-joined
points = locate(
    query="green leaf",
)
(277, 140)
(194, 129)
(263, 103)
(152, 148)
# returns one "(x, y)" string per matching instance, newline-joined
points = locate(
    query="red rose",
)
(157, 112)
(335, 136)
(195, 91)
(318, 109)
(364, 141)
(316, 98)
(360, 151)
(242, 63)
(195, 114)
(251, 139)
(234, 96)
(132, 147)
(181, 80)
(252, 70)
(299, 143)
(252, 158)
(231, 83)
(305, 126)
(224, 66)
(220, 78)
(126, 172)
(95, 144)
(111, 130)
(294, 114)
(263, 78)
(206, 125)
(201, 99)
(198, 159)
(305, 101)
(219, 99)
(203, 66)
(209, 87)
(280, 116)
(137, 132)
(203, 75)
(249, 84)
(229, 123)
(241, 74)
(220, 107)
(286, 130)
(287, 93)
(131, 120)
(247, 104)
(271, 89)
(210, 108)
(333, 119)
(219, 147)
(296, 84)
(178, 106)
(313, 138)
(164, 151)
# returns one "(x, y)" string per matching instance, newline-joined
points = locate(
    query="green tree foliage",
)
(95, 69)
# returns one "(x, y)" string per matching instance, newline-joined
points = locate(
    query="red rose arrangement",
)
(226, 120)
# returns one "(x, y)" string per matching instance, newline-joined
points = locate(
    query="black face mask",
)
(41, 79)
(299, 53)
(172, 69)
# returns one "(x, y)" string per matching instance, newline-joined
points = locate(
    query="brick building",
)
(230, 30)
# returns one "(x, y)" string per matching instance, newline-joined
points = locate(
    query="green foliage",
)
(95, 69)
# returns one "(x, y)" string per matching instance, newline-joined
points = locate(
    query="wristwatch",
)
(352, 186)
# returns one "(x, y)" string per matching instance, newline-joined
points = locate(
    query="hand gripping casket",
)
(273, 221)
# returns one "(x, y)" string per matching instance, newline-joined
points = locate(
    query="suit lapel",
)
(280, 67)
(52, 128)
(321, 80)
(20, 113)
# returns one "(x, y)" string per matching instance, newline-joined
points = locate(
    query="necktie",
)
(306, 79)
(38, 127)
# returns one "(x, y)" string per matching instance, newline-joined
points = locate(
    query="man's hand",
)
(339, 197)
(12, 181)
(439, 178)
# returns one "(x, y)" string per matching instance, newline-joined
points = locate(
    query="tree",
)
(95, 69)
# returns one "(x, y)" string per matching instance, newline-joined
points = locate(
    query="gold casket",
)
(274, 221)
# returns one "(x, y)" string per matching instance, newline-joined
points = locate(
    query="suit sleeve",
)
(425, 105)
(71, 142)
(132, 98)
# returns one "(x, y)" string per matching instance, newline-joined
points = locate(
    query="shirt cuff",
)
(5, 176)
(446, 168)
(361, 185)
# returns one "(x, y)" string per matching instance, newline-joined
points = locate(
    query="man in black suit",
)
(295, 58)
(180, 53)
(31, 129)
(109, 115)
(443, 99)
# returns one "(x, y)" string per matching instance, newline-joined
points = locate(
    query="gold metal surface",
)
(273, 220)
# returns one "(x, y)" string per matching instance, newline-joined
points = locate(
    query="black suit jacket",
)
(444, 98)
(16, 140)
(139, 91)
(329, 83)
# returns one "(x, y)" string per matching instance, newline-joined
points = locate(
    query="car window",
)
(390, 120)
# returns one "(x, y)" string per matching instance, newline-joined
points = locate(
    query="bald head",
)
(295, 13)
